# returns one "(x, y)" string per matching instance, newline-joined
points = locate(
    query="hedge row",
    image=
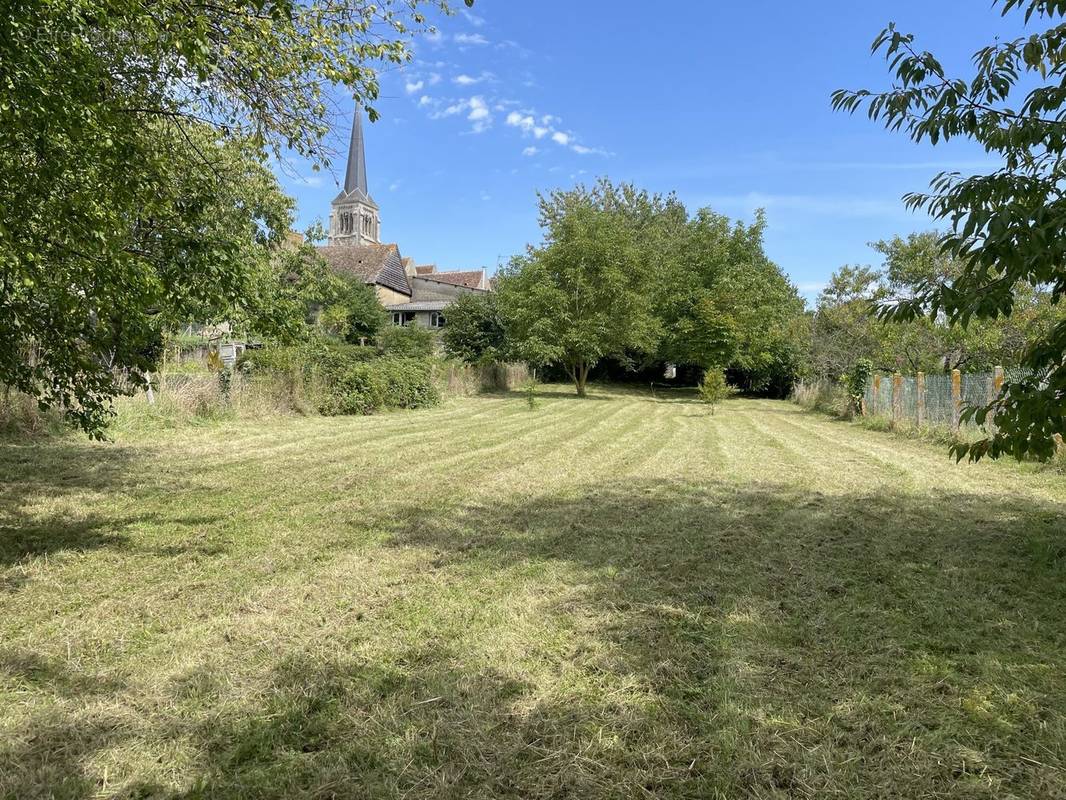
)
(348, 379)
(363, 388)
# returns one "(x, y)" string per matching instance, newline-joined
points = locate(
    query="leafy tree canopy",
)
(474, 332)
(303, 296)
(131, 185)
(627, 274)
(582, 294)
(1008, 225)
(843, 330)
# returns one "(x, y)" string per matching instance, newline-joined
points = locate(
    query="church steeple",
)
(355, 177)
(354, 217)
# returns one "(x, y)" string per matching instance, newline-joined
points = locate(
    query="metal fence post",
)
(956, 399)
(897, 398)
(919, 387)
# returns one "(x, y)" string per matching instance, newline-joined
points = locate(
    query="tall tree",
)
(724, 303)
(1008, 226)
(844, 330)
(130, 138)
(582, 294)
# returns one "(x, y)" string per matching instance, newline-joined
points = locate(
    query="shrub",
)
(345, 379)
(409, 341)
(355, 352)
(714, 388)
(529, 389)
(363, 388)
(855, 382)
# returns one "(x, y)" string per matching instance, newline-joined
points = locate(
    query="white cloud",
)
(434, 78)
(479, 111)
(414, 86)
(479, 114)
(473, 18)
(311, 180)
(518, 120)
(476, 110)
(452, 110)
(395, 185)
(470, 38)
(426, 100)
(468, 80)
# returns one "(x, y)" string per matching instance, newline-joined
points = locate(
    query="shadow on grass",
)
(45, 472)
(549, 393)
(36, 480)
(709, 640)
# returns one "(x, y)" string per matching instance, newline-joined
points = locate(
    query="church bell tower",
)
(354, 217)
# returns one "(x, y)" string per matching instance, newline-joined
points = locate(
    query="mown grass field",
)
(618, 597)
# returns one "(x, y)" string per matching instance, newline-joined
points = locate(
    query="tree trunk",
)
(580, 373)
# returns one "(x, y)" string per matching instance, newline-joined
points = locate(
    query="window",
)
(397, 318)
(436, 320)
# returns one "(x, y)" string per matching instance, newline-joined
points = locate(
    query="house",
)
(431, 294)
(413, 294)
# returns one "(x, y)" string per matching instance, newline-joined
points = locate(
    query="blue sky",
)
(725, 103)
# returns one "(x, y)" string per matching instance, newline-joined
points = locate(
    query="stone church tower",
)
(354, 217)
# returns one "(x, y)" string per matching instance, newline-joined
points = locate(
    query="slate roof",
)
(471, 279)
(372, 263)
(355, 176)
(355, 185)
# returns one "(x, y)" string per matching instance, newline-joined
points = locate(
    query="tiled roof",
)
(421, 305)
(371, 263)
(471, 279)
(425, 269)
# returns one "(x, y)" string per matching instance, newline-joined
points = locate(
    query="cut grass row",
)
(618, 597)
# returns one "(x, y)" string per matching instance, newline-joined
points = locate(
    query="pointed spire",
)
(355, 177)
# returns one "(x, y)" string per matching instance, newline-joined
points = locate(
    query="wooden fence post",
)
(877, 394)
(956, 399)
(897, 398)
(997, 382)
(919, 387)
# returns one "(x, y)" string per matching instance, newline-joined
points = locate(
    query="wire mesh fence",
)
(935, 401)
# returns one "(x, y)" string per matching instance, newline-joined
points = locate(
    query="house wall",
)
(390, 297)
